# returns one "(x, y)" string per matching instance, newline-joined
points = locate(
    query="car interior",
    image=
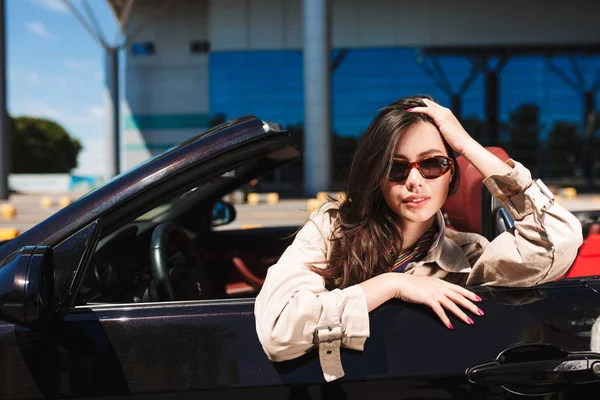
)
(182, 248)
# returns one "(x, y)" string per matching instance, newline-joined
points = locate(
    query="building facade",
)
(520, 74)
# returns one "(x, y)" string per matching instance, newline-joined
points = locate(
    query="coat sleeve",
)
(543, 243)
(294, 307)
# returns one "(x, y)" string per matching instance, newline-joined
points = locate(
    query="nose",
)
(414, 178)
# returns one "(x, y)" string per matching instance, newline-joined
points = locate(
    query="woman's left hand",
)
(448, 124)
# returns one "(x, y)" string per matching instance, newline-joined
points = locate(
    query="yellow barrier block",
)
(8, 211)
(250, 226)
(558, 198)
(322, 196)
(569, 192)
(64, 201)
(253, 199)
(46, 202)
(272, 198)
(8, 233)
(314, 204)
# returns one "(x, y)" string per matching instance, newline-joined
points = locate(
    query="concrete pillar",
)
(5, 139)
(111, 100)
(492, 101)
(589, 123)
(317, 96)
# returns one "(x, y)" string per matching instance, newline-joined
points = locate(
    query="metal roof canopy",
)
(548, 50)
(480, 56)
(119, 8)
(122, 10)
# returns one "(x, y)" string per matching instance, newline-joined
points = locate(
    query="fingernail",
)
(470, 321)
(450, 326)
(409, 110)
(478, 298)
(480, 312)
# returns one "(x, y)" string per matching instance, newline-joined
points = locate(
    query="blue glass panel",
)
(270, 85)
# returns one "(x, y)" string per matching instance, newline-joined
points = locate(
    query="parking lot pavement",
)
(29, 211)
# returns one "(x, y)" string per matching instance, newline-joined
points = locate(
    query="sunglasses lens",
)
(434, 167)
(399, 171)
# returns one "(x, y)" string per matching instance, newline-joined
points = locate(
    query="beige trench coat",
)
(295, 312)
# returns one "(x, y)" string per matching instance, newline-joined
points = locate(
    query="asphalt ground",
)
(29, 211)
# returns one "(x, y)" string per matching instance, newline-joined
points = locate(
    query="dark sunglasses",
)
(429, 168)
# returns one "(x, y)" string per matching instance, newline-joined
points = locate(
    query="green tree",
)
(523, 130)
(474, 127)
(42, 146)
(563, 150)
(342, 152)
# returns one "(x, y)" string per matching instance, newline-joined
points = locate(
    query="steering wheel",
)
(189, 282)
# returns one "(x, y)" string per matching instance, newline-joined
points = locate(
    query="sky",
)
(55, 69)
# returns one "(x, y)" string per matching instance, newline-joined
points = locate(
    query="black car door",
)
(187, 349)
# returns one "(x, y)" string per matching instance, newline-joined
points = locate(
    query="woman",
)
(388, 240)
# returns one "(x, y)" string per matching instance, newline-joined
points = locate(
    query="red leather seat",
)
(588, 259)
(587, 262)
(470, 203)
(472, 209)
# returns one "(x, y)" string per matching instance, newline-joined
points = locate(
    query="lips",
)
(416, 200)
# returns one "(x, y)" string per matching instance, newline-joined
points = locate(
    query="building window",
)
(142, 49)
(199, 47)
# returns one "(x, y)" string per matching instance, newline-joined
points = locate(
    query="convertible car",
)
(135, 290)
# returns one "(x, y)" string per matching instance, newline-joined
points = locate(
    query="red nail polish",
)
(480, 312)
(470, 321)
(409, 110)
(450, 326)
(478, 298)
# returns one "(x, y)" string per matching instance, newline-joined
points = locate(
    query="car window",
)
(123, 266)
(162, 211)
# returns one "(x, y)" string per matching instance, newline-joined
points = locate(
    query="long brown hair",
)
(366, 238)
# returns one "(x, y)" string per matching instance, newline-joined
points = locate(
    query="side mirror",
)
(223, 213)
(27, 286)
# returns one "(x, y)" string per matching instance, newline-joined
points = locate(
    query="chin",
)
(417, 216)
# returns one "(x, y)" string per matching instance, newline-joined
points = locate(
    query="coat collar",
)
(445, 252)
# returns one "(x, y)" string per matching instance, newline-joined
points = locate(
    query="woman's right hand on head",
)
(436, 293)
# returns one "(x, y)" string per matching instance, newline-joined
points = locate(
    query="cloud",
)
(33, 77)
(80, 65)
(90, 115)
(38, 28)
(53, 5)
(49, 80)
(41, 109)
(13, 73)
(97, 111)
(92, 158)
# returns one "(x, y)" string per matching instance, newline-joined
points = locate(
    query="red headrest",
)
(464, 207)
